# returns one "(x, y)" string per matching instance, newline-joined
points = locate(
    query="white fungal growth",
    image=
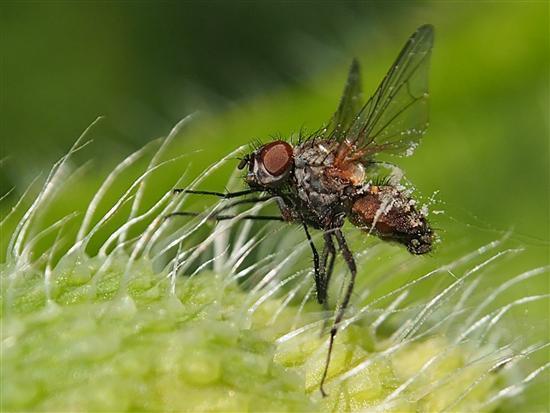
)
(188, 314)
(410, 150)
(424, 210)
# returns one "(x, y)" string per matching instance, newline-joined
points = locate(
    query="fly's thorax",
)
(390, 214)
(315, 153)
(311, 163)
(311, 187)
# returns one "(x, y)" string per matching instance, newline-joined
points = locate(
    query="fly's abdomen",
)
(391, 215)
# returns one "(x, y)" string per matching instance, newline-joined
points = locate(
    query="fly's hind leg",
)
(340, 312)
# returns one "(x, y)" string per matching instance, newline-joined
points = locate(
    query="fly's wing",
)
(396, 116)
(350, 105)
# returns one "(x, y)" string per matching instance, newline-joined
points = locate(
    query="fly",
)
(326, 178)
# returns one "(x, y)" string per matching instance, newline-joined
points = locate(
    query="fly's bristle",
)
(381, 180)
(256, 144)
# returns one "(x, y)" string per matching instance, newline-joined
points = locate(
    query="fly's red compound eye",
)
(276, 157)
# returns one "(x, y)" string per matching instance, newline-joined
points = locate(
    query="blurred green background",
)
(259, 69)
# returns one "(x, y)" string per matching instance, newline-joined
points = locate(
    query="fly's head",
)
(269, 166)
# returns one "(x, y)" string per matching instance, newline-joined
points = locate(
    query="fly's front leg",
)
(340, 312)
(225, 195)
(220, 217)
(229, 195)
(245, 201)
(223, 217)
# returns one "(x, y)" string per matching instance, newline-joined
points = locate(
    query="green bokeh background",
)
(256, 70)
(272, 67)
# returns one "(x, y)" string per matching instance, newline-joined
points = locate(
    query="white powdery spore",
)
(424, 210)
(410, 150)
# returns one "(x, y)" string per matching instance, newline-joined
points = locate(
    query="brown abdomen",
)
(389, 214)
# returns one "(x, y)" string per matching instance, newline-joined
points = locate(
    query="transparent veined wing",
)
(350, 105)
(396, 116)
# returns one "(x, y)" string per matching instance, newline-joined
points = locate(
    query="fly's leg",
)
(245, 201)
(225, 195)
(222, 217)
(329, 252)
(332, 255)
(350, 261)
(225, 207)
(318, 280)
